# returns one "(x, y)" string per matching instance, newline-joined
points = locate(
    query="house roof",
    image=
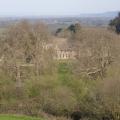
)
(61, 44)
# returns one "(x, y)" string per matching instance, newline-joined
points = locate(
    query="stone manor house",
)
(62, 49)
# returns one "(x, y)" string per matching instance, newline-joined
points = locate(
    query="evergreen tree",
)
(116, 23)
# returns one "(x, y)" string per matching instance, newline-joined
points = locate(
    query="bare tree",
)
(96, 49)
(24, 46)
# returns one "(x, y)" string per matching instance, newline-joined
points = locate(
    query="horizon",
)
(60, 16)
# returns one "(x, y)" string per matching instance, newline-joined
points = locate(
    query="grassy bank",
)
(15, 117)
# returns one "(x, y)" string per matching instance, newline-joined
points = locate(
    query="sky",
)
(56, 7)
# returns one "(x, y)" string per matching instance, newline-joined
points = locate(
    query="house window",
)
(60, 55)
(63, 55)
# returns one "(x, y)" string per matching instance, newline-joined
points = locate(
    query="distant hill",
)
(106, 14)
(97, 19)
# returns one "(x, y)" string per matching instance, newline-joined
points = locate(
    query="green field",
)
(15, 117)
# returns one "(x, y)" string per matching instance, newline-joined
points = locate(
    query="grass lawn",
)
(15, 117)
